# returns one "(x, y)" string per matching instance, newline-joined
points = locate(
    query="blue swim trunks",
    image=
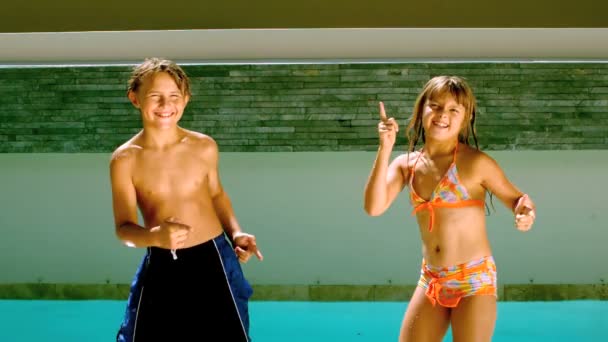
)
(199, 294)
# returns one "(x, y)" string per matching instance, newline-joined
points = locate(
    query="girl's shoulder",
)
(407, 160)
(475, 159)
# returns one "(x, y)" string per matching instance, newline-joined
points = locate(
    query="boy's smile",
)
(160, 101)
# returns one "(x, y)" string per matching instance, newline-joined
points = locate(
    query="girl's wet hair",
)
(437, 87)
(152, 66)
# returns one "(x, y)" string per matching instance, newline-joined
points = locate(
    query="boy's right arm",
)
(124, 203)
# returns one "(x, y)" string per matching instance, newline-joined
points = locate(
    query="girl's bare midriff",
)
(458, 236)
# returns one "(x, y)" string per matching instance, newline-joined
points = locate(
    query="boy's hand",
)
(245, 246)
(171, 234)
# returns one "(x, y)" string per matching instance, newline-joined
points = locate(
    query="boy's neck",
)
(161, 138)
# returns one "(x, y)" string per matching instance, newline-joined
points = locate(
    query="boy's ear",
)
(133, 98)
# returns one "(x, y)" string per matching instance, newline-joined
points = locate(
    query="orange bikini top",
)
(449, 193)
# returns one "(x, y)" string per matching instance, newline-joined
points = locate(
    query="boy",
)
(190, 281)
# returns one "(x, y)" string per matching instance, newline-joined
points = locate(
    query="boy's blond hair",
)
(152, 66)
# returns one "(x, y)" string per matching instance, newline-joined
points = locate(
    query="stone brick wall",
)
(305, 107)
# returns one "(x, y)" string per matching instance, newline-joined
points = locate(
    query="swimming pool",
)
(97, 320)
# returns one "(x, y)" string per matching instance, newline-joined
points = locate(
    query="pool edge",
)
(377, 293)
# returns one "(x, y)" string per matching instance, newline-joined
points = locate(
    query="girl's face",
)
(443, 118)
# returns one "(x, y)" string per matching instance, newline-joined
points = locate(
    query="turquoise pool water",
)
(92, 321)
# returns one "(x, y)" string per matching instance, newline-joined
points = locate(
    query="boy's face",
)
(159, 100)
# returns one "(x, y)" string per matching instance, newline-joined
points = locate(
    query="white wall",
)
(306, 210)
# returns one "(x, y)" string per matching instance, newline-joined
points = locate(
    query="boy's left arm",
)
(244, 244)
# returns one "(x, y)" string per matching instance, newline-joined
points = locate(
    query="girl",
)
(448, 180)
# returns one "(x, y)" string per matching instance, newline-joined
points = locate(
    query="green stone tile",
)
(28, 291)
(585, 291)
(518, 293)
(64, 291)
(280, 292)
(393, 292)
(501, 293)
(535, 292)
(57, 102)
(554, 292)
(513, 292)
(331, 293)
(95, 291)
(15, 291)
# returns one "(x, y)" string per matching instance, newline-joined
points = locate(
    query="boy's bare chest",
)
(174, 178)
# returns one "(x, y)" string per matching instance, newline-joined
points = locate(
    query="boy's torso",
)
(174, 183)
